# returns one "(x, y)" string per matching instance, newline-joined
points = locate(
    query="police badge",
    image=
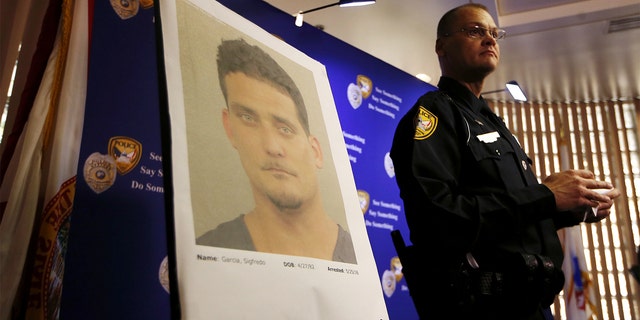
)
(365, 84)
(363, 198)
(388, 165)
(146, 4)
(354, 95)
(99, 172)
(125, 9)
(126, 151)
(426, 123)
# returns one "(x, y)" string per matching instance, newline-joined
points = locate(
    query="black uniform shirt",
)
(467, 185)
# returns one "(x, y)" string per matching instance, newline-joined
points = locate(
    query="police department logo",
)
(396, 267)
(357, 92)
(146, 4)
(388, 165)
(365, 84)
(163, 274)
(391, 277)
(388, 283)
(363, 198)
(126, 151)
(354, 95)
(99, 172)
(426, 123)
(125, 9)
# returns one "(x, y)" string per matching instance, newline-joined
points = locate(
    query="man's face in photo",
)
(277, 155)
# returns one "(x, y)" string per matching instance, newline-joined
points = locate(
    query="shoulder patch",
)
(426, 123)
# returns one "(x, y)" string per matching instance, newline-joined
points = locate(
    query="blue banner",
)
(115, 264)
(118, 237)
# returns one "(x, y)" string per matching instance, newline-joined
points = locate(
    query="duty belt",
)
(532, 272)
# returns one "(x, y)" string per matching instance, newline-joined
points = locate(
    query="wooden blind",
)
(602, 137)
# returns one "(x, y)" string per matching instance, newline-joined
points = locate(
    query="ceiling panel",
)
(558, 50)
(516, 6)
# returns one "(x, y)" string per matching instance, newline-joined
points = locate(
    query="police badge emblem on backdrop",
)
(100, 170)
(126, 151)
(357, 92)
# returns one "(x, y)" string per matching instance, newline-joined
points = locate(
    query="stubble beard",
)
(285, 202)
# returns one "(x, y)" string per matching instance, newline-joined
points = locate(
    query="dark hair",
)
(239, 56)
(447, 19)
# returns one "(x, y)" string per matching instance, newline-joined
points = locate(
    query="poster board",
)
(210, 186)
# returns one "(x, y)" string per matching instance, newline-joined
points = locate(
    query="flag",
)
(578, 289)
(579, 293)
(40, 191)
(32, 41)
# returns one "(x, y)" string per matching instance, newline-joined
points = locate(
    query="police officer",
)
(478, 218)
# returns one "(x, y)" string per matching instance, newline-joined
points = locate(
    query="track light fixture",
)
(343, 3)
(514, 89)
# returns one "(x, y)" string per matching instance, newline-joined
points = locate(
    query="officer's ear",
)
(440, 47)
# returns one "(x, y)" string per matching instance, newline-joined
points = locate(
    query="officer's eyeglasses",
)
(478, 32)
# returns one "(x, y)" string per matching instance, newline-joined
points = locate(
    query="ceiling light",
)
(424, 77)
(343, 3)
(514, 89)
(299, 19)
(355, 3)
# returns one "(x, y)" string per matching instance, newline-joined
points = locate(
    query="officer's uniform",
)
(478, 217)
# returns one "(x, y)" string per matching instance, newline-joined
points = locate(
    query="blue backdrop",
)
(118, 236)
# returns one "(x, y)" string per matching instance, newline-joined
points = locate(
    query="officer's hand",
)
(574, 190)
(604, 208)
